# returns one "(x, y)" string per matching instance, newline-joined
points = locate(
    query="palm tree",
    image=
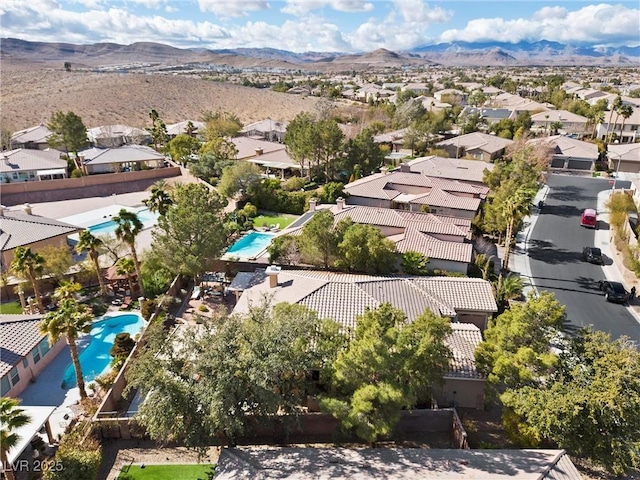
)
(129, 226)
(67, 290)
(126, 266)
(69, 320)
(617, 103)
(515, 209)
(507, 287)
(30, 265)
(90, 243)
(555, 126)
(160, 200)
(484, 263)
(625, 111)
(598, 118)
(11, 418)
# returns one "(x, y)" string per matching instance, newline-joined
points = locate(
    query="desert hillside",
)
(31, 95)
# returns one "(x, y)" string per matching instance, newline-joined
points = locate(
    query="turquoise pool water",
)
(147, 218)
(95, 358)
(250, 245)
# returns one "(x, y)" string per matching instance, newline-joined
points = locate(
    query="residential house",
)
(27, 165)
(25, 352)
(568, 123)
(624, 157)
(20, 228)
(176, 129)
(278, 161)
(517, 104)
(612, 125)
(299, 90)
(445, 241)
(432, 104)
(248, 463)
(417, 88)
(122, 159)
(446, 95)
(407, 190)
(570, 153)
(487, 114)
(394, 140)
(249, 147)
(371, 91)
(480, 146)
(457, 169)
(268, 129)
(33, 138)
(343, 297)
(114, 136)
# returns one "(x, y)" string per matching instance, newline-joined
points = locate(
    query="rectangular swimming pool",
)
(147, 218)
(250, 245)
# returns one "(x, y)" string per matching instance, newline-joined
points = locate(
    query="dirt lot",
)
(31, 95)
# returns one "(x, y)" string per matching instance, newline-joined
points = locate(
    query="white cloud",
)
(170, 9)
(415, 11)
(301, 8)
(594, 24)
(232, 8)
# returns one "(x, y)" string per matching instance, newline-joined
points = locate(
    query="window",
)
(36, 355)
(15, 378)
(25, 362)
(44, 346)
(5, 386)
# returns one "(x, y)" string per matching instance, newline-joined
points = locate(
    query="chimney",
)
(405, 168)
(6, 159)
(272, 271)
(340, 203)
(384, 170)
(313, 202)
(259, 151)
(27, 209)
(2, 209)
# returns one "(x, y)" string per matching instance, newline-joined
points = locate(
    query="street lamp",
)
(615, 177)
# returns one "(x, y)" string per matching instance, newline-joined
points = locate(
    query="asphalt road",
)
(555, 258)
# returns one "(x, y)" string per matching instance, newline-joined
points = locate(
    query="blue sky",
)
(319, 25)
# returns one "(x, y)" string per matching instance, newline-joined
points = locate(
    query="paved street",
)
(555, 256)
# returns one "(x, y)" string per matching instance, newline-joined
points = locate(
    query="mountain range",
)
(539, 53)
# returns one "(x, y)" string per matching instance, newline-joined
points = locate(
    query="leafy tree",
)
(71, 319)
(5, 139)
(414, 263)
(11, 419)
(91, 244)
(160, 200)
(67, 66)
(389, 365)
(69, 132)
(214, 156)
(57, 261)
(156, 276)
(29, 265)
(190, 235)
(158, 130)
(318, 240)
(516, 348)
(331, 191)
(128, 228)
(284, 250)
(221, 124)
(182, 147)
(241, 177)
(590, 405)
(365, 249)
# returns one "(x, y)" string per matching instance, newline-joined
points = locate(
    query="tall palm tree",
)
(514, 209)
(507, 287)
(11, 418)
(598, 118)
(71, 319)
(67, 290)
(617, 103)
(160, 199)
(625, 111)
(30, 265)
(91, 244)
(126, 266)
(129, 226)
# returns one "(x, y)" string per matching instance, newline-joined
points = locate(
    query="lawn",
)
(283, 220)
(191, 471)
(11, 308)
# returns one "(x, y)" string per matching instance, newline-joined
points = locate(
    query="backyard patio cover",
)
(39, 416)
(55, 171)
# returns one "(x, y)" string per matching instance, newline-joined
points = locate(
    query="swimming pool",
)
(147, 218)
(250, 245)
(95, 358)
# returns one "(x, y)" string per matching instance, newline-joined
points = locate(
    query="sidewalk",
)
(614, 270)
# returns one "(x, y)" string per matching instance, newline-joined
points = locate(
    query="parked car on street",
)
(613, 291)
(592, 255)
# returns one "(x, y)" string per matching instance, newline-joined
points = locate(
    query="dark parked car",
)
(592, 255)
(613, 291)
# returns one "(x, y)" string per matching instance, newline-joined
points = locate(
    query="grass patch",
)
(268, 220)
(190, 471)
(11, 308)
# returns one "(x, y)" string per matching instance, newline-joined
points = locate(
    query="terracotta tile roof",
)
(440, 198)
(20, 229)
(461, 293)
(477, 141)
(414, 240)
(463, 341)
(19, 335)
(453, 169)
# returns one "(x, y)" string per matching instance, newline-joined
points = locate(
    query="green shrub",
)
(122, 346)
(76, 173)
(77, 458)
(148, 307)
(250, 210)
(294, 184)
(203, 308)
